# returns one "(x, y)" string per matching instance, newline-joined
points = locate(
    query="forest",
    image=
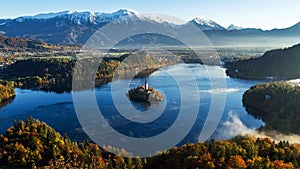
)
(33, 143)
(7, 91)
(275, 64)
(277, 104)
(56, 73)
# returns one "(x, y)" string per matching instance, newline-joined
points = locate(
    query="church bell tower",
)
(146, 85)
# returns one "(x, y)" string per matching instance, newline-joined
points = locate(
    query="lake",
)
(58, 110)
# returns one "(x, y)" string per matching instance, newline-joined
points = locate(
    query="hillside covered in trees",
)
(274, 64)
(56, 73)
(238, 153)
(12, 44)
(277, 104)
(52, 74)
(35, 144)
(6, 91)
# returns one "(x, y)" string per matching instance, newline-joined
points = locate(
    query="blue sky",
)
(266, 14)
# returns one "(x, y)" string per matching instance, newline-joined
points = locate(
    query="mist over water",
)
(235, 126)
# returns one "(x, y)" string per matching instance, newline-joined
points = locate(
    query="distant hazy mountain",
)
(76, 28)
(291, 31)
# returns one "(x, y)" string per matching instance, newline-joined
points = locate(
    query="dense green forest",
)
(277, 104)
(6, 91)
(35, 144)
(274, 64)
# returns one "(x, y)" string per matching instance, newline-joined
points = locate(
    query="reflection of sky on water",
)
(57, 109)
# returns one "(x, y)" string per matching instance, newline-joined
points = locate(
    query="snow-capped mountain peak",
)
(50, 15)
(206, 24)
(124, 14)
(44, 16)
(66, 18)
(83, 17)
(233, 27)
(126, 11)
(202, 21)
(119, 13)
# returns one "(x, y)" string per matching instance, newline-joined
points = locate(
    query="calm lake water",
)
(58, 110)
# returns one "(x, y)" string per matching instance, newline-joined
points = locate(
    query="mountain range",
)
(77, 27)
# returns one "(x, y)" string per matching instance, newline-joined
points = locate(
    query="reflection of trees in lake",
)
(7, 102)
(7, 91)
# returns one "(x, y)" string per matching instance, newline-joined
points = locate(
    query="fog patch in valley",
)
(234, 126)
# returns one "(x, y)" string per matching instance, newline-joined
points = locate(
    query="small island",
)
(144, 93)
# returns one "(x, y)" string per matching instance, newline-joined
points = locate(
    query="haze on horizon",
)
(267, 14)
